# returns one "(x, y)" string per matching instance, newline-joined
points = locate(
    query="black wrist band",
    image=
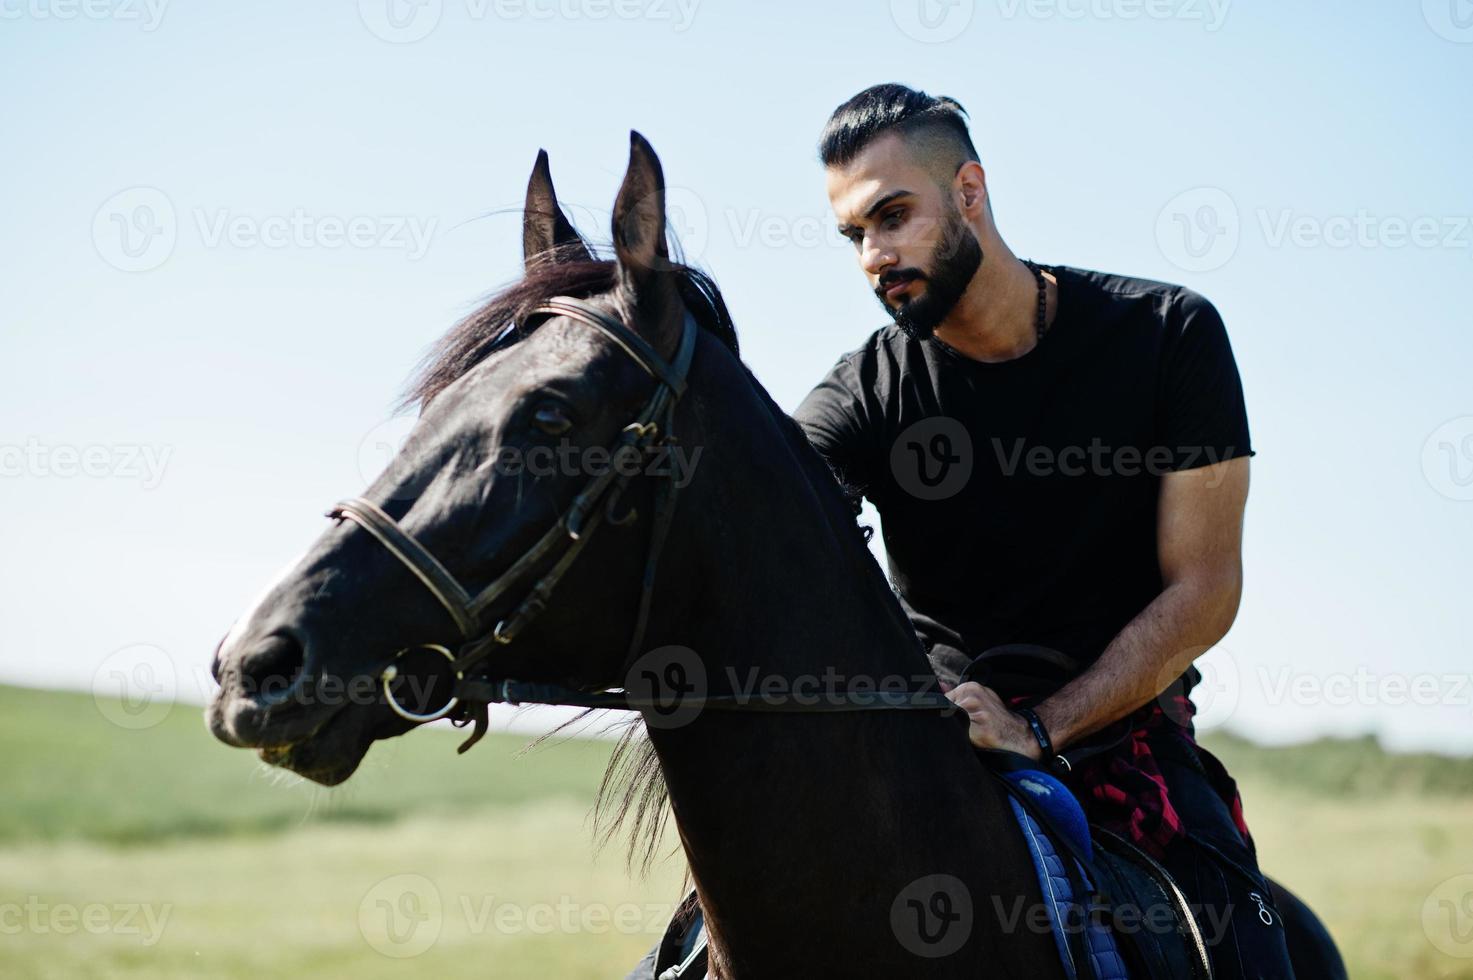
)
(1052, 759)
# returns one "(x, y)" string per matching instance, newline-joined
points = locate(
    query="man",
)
(1059, 459)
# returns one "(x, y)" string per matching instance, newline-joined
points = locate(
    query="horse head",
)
(545, 416)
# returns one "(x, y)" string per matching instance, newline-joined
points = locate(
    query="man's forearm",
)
(1182, 622)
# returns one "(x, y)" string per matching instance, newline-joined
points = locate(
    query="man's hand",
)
(993, 726)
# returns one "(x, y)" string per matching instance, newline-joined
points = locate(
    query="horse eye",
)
(550, 419)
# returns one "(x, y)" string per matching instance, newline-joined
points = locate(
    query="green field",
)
(160, 853)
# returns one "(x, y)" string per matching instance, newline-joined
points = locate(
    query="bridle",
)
(649, 434)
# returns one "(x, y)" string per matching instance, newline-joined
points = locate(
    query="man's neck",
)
(997, 317)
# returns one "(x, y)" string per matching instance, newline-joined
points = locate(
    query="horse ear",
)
(544, 226)
(639, 214)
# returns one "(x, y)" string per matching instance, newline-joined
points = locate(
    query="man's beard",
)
(955, 260)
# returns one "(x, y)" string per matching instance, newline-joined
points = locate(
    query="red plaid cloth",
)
(1122, 788)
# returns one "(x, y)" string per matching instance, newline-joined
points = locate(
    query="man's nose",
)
(876, 260)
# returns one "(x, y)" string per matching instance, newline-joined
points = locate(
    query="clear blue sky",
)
(222, 395)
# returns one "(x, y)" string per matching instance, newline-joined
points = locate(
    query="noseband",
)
(596, 504)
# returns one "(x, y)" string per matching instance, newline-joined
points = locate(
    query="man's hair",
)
(935, 124)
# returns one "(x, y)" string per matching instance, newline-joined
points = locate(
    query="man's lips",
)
(897, 289)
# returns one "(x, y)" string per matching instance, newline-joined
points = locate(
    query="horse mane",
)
(501, 320)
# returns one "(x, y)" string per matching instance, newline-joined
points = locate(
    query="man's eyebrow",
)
(876, 206)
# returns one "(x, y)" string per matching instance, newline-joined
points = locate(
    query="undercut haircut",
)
(935, 126)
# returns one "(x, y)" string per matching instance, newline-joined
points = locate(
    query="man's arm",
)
(836, 418)
(1199, 546)
(1199, 529)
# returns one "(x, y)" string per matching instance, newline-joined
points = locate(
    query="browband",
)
(634, 345)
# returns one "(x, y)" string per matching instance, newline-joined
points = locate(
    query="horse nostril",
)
(270, 672)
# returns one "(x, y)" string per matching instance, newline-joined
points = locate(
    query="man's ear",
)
(971, 188)
(545, 229)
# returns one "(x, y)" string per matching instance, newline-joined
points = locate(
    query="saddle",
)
(1116, 913)
(1131, 918)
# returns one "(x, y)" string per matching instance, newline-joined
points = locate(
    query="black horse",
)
(821, 843)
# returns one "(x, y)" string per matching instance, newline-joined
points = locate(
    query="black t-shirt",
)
(1018, 499)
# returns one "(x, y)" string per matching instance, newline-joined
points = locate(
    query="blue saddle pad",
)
(1065, 909)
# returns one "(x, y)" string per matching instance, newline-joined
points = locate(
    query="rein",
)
(596, 504)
